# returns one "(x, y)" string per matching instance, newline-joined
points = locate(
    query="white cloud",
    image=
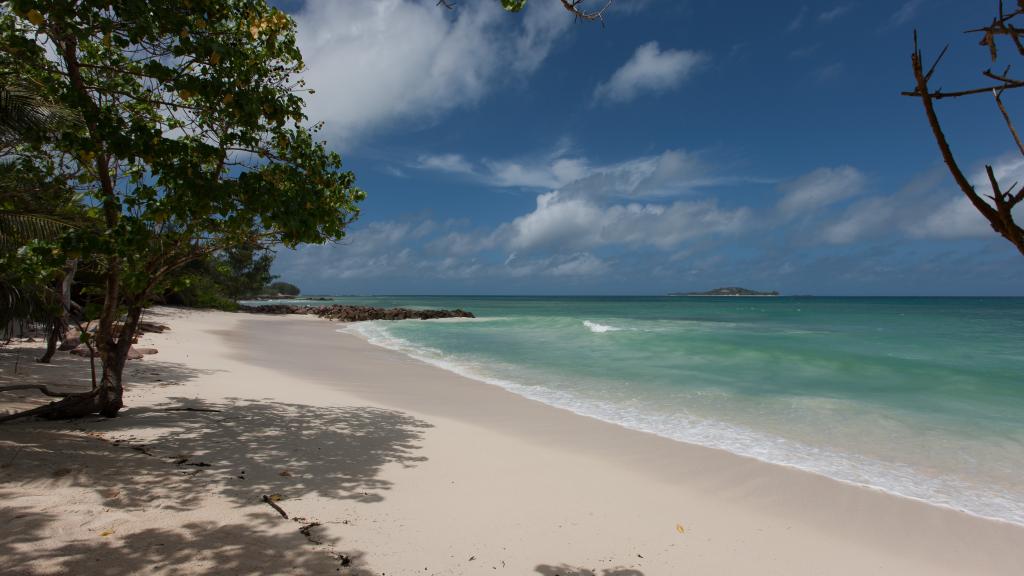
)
(372, 251)
(798, 20)
(578, 264)
(930, 207)
(869, 216)
(955, 218)
(551, 173)
(542, 24)
(650, 69)
(818, 189)
(577, 223)
(374, 63)
(905, 12)
(454, 163)
(834, 13)
(670, 173)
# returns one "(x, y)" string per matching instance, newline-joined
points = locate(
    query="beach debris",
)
(305, 528)
(59, 472)
(679, 528)
(199, 464)
(471, 558)
(272, 501)
(190, 409)
(284, 473)
(344, 559)
(106, 533)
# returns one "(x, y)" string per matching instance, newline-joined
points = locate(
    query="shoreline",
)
(409, 468)
(469, 374)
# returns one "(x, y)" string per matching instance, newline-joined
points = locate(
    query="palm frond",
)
(19, 228)
(25, 113)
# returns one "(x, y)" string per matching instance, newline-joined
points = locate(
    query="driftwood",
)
(274, 505)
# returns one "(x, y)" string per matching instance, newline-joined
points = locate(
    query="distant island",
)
(728, 291)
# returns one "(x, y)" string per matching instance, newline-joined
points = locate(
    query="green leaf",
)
(513, 5)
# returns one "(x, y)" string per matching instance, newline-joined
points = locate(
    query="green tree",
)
(36, 209)
(194, 141)
(221, 279)
(282, 288)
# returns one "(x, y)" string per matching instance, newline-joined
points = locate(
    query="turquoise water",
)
(922, 397)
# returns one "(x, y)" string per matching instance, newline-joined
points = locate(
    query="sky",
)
(684, 145)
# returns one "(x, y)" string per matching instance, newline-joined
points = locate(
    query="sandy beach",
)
(387, 465)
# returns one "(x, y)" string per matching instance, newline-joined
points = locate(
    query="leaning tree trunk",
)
(57, 327)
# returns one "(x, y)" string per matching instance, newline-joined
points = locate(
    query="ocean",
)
(921, 397)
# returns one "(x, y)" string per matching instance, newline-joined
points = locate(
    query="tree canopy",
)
(192, 139)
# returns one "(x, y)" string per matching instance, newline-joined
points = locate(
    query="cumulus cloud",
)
(454, 163)
(650, 69)
(373, 63)
(581, 223)
(818, 189)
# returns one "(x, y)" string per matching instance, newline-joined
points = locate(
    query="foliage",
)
(220, 279)
(282, 288)
(194, 139)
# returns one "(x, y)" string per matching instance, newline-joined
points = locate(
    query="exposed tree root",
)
(71, 404)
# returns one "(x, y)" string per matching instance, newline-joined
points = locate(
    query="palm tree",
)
(32, 208)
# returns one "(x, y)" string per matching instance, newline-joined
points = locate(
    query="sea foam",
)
(944, 491)
(600, 328)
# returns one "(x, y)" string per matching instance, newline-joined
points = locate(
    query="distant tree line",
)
(222, 279)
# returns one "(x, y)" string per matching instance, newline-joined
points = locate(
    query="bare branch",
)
(998, 94)
(573, 6)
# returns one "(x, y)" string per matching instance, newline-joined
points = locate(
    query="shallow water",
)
(923, 397)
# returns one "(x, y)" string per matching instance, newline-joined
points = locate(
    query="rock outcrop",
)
(347, 313)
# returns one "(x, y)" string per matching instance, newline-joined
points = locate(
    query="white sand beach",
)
(390, 466)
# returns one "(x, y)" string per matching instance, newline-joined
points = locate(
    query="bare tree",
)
(997, 207)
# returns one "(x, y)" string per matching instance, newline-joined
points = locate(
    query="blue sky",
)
(686, 145)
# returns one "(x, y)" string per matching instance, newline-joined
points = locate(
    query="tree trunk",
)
(53, 332)
(114, 355)
(57, 328)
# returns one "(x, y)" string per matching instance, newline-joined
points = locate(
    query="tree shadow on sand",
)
(70, 373)
(247, 450)
(195, 548)
(567, 570)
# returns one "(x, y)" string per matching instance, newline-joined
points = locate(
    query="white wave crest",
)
(599, 328)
